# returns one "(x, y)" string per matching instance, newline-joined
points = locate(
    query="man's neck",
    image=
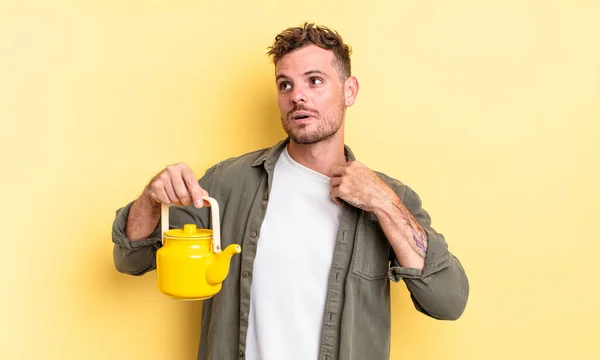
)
(320, 157)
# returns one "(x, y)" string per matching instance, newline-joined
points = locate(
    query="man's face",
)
(310, 94)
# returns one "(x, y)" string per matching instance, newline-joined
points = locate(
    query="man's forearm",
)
(405, 234)
(143, 218)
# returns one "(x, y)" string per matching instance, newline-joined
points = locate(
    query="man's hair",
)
(297, 37)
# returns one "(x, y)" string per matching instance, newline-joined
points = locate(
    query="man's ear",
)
(351, 87)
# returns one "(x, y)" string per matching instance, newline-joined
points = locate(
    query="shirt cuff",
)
(397, 272)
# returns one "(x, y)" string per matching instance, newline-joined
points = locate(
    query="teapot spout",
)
(219, 268)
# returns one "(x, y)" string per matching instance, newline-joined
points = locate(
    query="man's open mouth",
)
(300, 115)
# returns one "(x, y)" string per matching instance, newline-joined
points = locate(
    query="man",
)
(321, 233)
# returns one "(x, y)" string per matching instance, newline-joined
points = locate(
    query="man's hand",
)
(176, 185)
(357, 185)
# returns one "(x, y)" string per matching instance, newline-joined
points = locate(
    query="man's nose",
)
(298, 95)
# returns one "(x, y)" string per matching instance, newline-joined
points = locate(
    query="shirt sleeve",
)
(441, 289)
(133, 257)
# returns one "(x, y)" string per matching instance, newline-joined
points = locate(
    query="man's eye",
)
(285, 86)
(316, 81)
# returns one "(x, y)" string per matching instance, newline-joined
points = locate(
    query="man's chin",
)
(308, 139)
(304, 139)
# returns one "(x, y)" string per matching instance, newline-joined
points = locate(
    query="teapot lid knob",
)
(189, 229)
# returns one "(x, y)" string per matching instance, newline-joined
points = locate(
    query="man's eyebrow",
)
(281, 76)
(309, 72)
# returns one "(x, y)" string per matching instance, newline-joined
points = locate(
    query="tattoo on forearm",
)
(419, 236)
(360, 206)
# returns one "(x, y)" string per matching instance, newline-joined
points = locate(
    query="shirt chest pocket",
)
(372, 250)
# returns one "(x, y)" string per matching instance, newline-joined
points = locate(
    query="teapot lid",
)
(190, 231)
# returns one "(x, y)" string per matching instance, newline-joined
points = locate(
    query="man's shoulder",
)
(244, 159)
(234, 172)
(249, 163)
(254, 158)
(241, 162)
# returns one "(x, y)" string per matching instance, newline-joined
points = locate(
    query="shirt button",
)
(241, 353)
(266, 197)
(253, 234)
(245, 274)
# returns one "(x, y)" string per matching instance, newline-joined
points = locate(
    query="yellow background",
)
(490, 110)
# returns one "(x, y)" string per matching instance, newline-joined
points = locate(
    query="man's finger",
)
(195, 190)
(160, 195)
(337, 171)
(168, 190)
(334, 193)
(199, 201)
(335, 181)
(183, 194)
(197, 193)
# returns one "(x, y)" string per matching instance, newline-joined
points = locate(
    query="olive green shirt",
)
(356, 321)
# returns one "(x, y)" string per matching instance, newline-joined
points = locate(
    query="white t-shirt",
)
(291, 269)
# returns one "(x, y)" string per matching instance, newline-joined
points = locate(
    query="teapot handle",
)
(214, 212)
